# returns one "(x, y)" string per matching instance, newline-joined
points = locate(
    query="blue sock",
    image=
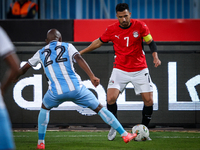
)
(110, 119)
(43, 120)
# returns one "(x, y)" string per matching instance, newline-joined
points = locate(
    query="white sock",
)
(124, 134)
(40, 141)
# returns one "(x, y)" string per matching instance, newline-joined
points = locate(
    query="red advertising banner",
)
(165, 30)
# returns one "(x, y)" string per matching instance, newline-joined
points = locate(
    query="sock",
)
(111, 120)
(124, 134)
(41, 141)
(113, 108)
(146, 115)
(43, 120)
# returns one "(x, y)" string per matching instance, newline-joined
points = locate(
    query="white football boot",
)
(112, 134)
(149, 139)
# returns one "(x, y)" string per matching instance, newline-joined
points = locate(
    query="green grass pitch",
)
(86, 140)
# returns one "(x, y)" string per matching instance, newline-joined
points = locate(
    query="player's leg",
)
(111, 120)
(6, 137)
(85, 98)
(43, 120)
(117, 83)
(112, 95)
(144, 86)
(148, 107)
(48, 102)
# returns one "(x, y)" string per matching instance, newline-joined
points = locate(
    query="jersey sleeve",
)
(105, 37)
(144, 29)
(72, 52)
(6, 45)
(33, 61)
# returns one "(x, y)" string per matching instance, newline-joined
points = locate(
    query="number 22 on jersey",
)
(48, 61)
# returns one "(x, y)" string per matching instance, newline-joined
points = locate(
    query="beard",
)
(125, 24)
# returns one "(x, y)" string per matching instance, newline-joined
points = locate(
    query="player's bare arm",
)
(23, 70)
(153, 48)
(13, 62)
(94, 45)
(156, 60)
(83, 64)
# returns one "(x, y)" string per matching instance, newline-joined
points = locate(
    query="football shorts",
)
(141, 80)
(82, 97)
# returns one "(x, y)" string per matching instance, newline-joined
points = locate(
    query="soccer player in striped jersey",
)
(7, 53)
(57, 59)
(130, 64)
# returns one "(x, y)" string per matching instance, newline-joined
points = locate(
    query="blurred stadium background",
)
(105, 9)
(174, 25)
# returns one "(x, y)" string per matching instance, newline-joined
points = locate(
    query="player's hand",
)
(95, 81)
(157, 62)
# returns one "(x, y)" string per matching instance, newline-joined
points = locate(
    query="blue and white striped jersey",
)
(57, 60)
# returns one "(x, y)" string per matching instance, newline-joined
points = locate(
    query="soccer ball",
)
(142, 132)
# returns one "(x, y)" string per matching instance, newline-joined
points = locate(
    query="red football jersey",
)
(128, 47)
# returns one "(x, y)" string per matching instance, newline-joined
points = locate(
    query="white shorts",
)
(141, 80)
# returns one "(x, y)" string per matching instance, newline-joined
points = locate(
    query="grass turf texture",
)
(86, 140)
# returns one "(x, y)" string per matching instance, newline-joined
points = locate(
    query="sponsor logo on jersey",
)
(117, 36)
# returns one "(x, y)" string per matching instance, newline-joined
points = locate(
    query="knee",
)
(147, 98)
(148, 102)
(99, 107)
(111, 99)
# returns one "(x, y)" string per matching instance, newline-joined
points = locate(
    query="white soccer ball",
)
(142, 132)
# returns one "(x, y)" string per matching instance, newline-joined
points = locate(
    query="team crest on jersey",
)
(135, 34)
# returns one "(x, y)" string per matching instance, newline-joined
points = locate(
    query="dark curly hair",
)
(121, 7)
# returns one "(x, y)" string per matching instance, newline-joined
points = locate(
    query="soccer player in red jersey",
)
(130, 64)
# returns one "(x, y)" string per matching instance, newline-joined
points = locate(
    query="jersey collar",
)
(125, 27)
